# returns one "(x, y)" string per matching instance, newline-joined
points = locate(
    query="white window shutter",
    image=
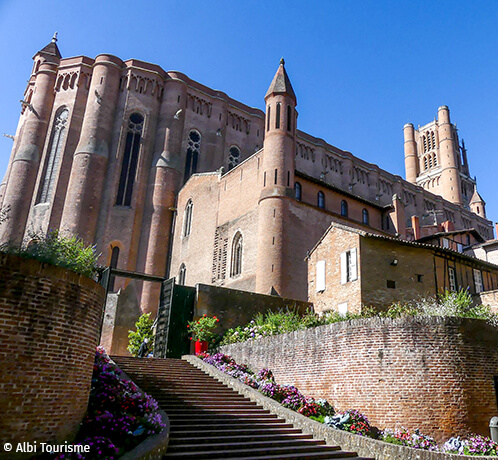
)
(344, 268)
(478, 280)
(342, 308)
(320, 276)
(353, 266)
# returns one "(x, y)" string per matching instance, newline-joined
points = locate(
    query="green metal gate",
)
(176, 309)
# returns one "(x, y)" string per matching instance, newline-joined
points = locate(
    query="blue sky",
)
(360, 69)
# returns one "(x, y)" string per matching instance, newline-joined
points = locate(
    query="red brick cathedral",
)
(172, 178)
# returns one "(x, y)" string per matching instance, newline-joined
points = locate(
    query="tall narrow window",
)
(478, 280)
(53, 156)
(182, 274)
(365, 216)
(130, 159)
(236, 259)
(233, 157)
(349, 267)
(321, 200)
(193, 150)
(277, 116)
(113, 264)
(298, 191)
(268, 119)
(452, 279)
(289, 118)
(187, 218)
(320, 276)
(344, 208)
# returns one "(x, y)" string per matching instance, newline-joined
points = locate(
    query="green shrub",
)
(143, 330)
(52, 248)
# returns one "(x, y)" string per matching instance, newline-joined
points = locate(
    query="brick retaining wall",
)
(435, 374)
(49, 325)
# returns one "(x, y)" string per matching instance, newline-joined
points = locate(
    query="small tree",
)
(143, 330)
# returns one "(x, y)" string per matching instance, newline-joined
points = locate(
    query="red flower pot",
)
(201, 346)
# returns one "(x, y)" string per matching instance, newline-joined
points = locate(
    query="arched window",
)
(193, 151)
(130, 159)
(277, 116)
(344, 208)
(364, 215)
(113, 264)
(182, 274)
(321, 200)
(289, 118)
(53, 156)
(298, 191)
(233, 157)
(236, 259)
(187, 218)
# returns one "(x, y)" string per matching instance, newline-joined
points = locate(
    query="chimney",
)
(496, 229)
(448, 226)
(416, 227)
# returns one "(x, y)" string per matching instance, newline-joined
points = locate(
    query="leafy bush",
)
(143, 331)
(351, 420)
(203, 328)
(52, 248)
(404, 437)
(479, 445)
(118, 418)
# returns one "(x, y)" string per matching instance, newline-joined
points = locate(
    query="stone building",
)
(350, 268)
(169, 177)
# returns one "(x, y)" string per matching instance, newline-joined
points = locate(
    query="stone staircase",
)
(210, 420)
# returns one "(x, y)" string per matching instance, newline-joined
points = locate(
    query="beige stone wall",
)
(413, 274)
(335, 242)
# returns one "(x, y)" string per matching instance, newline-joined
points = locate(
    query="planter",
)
(201, 346)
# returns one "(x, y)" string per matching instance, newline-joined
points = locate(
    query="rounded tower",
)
(25, 162)
(450, 174)
(477, 204)
(277, 186)
(84, 192)
(411, 158)
(164, 183)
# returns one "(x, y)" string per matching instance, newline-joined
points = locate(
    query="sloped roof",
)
(431, 247)
(281, 83)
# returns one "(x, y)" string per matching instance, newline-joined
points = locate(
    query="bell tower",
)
(32, 132)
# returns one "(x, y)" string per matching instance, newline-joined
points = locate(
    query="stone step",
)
(231, 437)
(282, 452)
(197, 431)
(210, 420)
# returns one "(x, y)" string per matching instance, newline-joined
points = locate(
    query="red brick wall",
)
(435, 374)
(49, 325)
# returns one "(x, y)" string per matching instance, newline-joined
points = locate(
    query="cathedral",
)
(171, 178)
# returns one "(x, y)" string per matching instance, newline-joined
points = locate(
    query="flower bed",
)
(122, 416)
(351, 420)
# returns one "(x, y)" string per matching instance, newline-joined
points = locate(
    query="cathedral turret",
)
(477, 204)
(277, 184)
(84, 195)
(411, 158)
(32, 131)
(165, 181)
(450, 174)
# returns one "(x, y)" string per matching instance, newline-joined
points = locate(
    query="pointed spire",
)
(51, 51)
(281, 83)
(476, 198)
